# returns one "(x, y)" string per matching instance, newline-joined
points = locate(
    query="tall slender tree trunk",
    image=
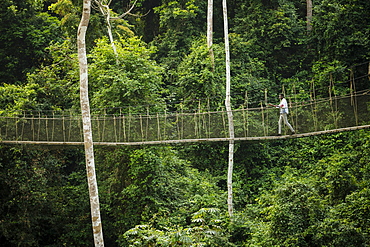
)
(87, 130)
(210, 31)
(309, 15)
(229, 115)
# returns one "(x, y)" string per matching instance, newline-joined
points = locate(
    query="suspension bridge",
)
(312, 117)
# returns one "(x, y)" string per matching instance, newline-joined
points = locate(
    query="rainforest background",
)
(311, 191)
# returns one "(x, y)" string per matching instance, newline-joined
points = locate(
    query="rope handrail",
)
(76, 114)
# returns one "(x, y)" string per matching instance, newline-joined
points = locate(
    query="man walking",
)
(283, 113)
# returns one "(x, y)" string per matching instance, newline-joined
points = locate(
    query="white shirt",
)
(283, 106)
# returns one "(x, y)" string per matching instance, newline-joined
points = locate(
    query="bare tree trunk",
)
(110, 35)
(103, 7)
(210, 31)
(105, 11)
(86, 121)
(309, 15)
(229, 115)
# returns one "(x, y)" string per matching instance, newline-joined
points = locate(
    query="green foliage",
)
(26, 32)
(354, 212)
(128, 79)
(176, 10)
(250, 75)
(205, 231)
(69, 12)
(340, 31)
(54, 86)
(44, 199)
(206, 157)
(286, 214)
(199, 77)
(144, 235)
(301, 192)
(317, 203)
(327, 74)
(14, 99)
(180, 23)
(340, 179)
(334, 232)
(275, 36)
(57, 81)
(158, 189)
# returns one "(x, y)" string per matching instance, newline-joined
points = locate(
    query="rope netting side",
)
(309, 116)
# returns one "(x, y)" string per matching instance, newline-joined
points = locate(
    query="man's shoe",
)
(278, 134)
(293, 133)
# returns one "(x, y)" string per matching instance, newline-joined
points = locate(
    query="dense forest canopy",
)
(298, 192)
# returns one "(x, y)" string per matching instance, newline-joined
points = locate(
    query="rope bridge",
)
(312, 117)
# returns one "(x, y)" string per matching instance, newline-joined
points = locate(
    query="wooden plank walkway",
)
(261, 138)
